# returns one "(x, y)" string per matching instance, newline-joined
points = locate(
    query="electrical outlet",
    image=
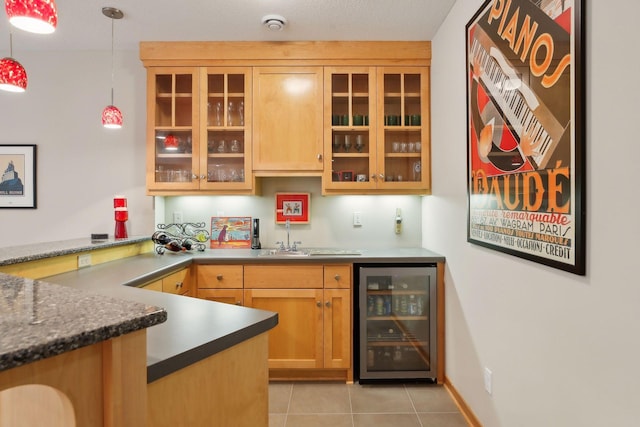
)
(357, 219)
(84, 260)
(488, 380)
(177, 217)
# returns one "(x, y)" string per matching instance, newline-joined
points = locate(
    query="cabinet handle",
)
(194, 176)
(381, 176)
(238, 303)
(201, 177)
(319, 156)
(328, 303)
(178, 285)
(219, 277)
(337, 277)
(319, 304)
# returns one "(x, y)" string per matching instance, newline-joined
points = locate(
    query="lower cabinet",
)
(179, 283)
(313, 339)
(221, 283)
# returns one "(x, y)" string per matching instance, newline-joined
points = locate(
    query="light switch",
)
(357, 219)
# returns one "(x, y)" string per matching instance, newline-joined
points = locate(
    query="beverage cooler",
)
(397, 322)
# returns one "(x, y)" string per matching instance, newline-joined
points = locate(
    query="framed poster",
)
(230, 232)
(18, 182)
(525, 139)
(292, 206)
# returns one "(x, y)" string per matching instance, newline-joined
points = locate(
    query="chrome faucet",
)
(287, 225)
(288, 248)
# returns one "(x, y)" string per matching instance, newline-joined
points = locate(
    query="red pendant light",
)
(13, 77)
(34, 16)
(111, 115)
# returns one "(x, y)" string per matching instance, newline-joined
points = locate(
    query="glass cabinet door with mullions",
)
(226, 145)
(403, 127)
(173, 109)
(397, 322)
(352, 147)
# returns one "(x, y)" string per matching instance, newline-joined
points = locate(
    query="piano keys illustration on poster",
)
(520, 110)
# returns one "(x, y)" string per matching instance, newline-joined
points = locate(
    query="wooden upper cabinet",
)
(287, 120)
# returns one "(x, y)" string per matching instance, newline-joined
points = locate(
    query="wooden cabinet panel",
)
(337, 276)
(219, 276)
(288, 125)
(283, 276)
(297, 340)
(227, 296)
(337, 328)
(179, 282)
(154, 286)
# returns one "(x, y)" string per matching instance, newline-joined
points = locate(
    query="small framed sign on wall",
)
(294, 207)
(18, 180)
(526, 138)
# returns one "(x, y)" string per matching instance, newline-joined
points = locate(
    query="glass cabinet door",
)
(403, 128)
(173, 107)
(350, 141)
(226, 135)
(397, 322)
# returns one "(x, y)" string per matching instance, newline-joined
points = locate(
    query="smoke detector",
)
(274, 22)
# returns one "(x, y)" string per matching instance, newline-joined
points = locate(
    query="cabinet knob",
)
(328, 303)
(201, 176)
(381, 176)
(337, 277)
(319, 304)
(219, 277)
(319, 156)
(194, 176)
(178, 285)
(238, 303)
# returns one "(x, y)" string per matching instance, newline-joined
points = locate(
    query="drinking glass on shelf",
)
(241, 112)
(336, 143)
(218, 114)
(359, 143)
(221, 146)
(231, 110)
(235, 146)
(347, 142)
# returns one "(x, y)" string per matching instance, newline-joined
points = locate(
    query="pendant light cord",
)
(112, 67)
(10, 44)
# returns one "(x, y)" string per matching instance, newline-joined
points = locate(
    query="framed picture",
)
(18, 182)
(292, 206)
(230, 232)
(346, 176)
(525, 139)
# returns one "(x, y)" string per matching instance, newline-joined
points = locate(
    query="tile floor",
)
(355, 405)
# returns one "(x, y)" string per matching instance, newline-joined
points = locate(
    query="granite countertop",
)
(24, 253)
(40, 319)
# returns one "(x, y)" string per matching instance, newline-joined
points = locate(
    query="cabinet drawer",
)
(337, 276)
(228, 296)
(154, 286)
(178, 282)
(219, 276)
(283, 276)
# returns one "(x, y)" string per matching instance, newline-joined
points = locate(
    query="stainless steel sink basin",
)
(307, 252)
(278, 253)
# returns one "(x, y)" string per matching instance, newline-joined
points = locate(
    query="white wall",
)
(81, 165)
(331, 219)
(563, 348)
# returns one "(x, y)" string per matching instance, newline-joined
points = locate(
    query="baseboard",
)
(464, 408)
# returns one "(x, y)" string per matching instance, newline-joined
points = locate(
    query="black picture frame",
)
(18, 182)
(526, 131)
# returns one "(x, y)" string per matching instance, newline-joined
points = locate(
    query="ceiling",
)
(82, 26)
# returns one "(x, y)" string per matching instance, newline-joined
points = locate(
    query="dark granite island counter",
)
(82, 350)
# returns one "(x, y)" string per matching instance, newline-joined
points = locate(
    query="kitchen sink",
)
(278, 253)
(307, 252)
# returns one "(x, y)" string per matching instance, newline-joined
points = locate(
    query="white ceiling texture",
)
(82, 26)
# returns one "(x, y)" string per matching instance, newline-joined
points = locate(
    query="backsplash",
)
(331, 218)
